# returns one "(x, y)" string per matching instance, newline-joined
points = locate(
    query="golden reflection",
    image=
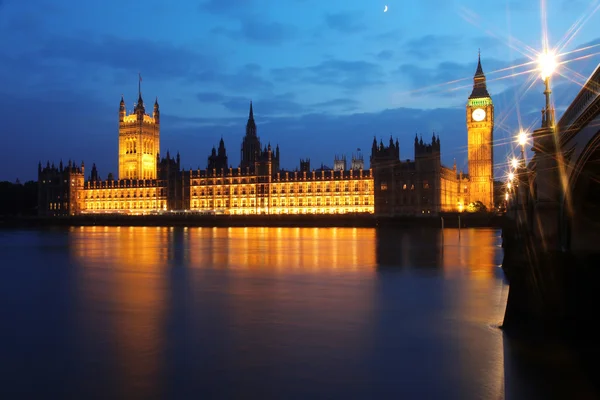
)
(121, 296)
(309, 249)
(471, 251)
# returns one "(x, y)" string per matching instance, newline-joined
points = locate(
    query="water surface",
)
(147, 312)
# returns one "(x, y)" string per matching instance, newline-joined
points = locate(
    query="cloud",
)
(258, 32)
(345, 74)
(345, 22)
(270, 106)
(432, 46)
(246, 79)
(210, 97)
(283, 104)
(391, 36)
(385, 55)
(152, 58)
(342, 103)
(448, 74)
(230, 7)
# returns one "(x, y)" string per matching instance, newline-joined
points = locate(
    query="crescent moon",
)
(385, 8)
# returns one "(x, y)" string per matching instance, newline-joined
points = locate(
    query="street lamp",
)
(522, 140)
(547, 65)
(511, 176)
(514, 162)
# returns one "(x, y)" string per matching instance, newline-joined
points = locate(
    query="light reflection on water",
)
(255, 312)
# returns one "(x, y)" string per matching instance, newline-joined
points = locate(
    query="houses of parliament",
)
(150, 184)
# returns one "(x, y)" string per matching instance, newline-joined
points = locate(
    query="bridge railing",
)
(588, 94)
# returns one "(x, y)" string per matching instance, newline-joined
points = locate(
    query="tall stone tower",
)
(139, 140)
(480, 128)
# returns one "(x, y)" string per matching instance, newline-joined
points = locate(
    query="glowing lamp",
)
(514, 162)
(522, 138)
(509, 185)
(547, 64)
(511, 176)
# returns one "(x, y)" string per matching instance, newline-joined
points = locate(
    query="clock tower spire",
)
(480, 128)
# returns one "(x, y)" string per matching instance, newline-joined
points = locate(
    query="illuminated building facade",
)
(414, 187)
(424, 185)
(480, 128)
(139, 141)
(148, 184)
(259, 186)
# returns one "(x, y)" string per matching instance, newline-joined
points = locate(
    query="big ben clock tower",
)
(480, 128)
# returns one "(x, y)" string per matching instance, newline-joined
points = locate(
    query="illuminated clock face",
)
(478, 114)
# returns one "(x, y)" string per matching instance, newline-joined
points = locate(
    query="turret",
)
(122, 110)
(222, 151)
(156, 113)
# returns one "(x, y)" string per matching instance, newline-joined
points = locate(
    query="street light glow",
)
(514, 162)
(511, 176)
(509, 185)
(522, 138)
(547, 64)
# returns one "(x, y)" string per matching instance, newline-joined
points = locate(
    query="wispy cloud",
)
(345, 74)
(345, 22)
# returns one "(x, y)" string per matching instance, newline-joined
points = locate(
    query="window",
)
(425, 184)
(383, 186)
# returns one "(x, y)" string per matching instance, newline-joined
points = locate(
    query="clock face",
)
(478, 114)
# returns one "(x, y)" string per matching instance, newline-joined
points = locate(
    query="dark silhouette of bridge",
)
(552, 230)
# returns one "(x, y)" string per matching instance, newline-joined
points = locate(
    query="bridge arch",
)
(580, 209)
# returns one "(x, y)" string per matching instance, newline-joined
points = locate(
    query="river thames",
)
(145, 312)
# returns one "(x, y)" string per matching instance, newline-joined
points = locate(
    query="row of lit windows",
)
(125, 205)
(58, 206)
(292, 192)
(241, 180)
(109, 194)
(210, 204)
(312, 210)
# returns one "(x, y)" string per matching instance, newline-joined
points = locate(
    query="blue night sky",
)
(324, 76)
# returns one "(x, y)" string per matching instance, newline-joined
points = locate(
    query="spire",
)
(251, 125)
(479, 84)
(479, 71)
(140, 102)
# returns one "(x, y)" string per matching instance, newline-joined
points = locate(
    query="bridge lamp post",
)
(547, 65)
(522, 140)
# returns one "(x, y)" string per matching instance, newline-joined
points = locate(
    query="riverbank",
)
(450, 220)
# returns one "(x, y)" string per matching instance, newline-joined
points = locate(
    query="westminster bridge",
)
(552, 234)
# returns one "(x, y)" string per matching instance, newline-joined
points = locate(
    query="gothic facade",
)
(149, 184)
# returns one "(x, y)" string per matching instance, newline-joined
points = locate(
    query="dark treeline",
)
(18, 199)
